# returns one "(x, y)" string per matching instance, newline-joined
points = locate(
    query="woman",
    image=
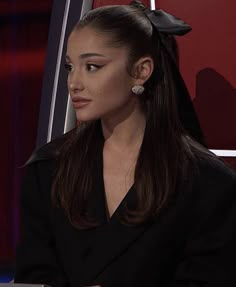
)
(129, 197)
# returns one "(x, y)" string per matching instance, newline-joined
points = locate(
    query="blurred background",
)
(24, 27)
(30, 35)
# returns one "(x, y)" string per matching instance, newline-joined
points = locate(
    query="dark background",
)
(23, 40)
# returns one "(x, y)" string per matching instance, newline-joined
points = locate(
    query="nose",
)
(75, 82)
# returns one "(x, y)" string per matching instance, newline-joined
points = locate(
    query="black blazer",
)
(192, 243)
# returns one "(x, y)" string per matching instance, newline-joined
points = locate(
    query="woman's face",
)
(98, 81)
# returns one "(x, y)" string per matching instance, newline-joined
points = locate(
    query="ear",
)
(143, 69)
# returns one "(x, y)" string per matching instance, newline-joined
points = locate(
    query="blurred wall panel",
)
(23, 40)
(207, 61)
(99, 3)
(55, 101)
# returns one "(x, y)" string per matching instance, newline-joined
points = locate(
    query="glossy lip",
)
(79, 102)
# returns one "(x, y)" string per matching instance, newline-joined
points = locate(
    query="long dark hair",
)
(168, 155)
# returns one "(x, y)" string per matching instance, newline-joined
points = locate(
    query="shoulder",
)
(214, 189)
(40, 170)
(214, 171)
(49, 151)
(53, 149)
(42, 164)
(209, 204)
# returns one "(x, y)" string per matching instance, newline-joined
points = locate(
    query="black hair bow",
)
(167, 23)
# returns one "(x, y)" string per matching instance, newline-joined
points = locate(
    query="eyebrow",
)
(87, 55)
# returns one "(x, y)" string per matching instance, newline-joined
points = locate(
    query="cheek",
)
(115, 82)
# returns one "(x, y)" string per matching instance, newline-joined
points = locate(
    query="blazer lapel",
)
(111, 240)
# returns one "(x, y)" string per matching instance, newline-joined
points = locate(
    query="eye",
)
(68, 67)
(92, 67)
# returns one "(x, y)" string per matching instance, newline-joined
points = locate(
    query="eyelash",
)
(89, 65)
(69, 67)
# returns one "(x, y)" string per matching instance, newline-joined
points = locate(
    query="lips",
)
(79, 102)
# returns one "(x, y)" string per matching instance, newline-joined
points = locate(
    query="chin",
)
(85, 117)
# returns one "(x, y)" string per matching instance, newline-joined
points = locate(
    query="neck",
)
(124, 133)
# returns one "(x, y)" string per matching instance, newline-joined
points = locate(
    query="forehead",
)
(87, 40)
